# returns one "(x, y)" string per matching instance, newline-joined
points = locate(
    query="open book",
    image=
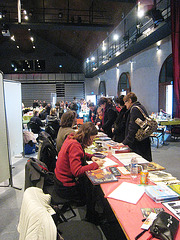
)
(100, 176)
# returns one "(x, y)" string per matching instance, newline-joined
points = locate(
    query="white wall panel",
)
(4, 157)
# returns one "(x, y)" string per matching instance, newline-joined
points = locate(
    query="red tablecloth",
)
(129, 215)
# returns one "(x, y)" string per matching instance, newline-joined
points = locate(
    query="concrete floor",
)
(10, 198)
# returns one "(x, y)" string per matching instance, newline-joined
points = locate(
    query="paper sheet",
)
(128, 192)
(107, 162)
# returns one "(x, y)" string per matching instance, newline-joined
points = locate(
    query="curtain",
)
(175, 35)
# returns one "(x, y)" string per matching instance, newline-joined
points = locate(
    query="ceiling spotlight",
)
(103, 48)
(140, 13)
(92, 58)
(116, 37)
(17, 46)
(34, 47)
(13, 38)
(60, 14)
(32, 39)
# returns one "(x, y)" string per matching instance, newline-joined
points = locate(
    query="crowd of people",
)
(115, 117)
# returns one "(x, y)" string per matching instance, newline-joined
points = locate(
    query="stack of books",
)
(162, 177)
(161, 193)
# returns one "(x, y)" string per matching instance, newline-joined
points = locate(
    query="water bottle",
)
(134, 168)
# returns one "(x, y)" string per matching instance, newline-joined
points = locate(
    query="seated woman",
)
(70, 180)
(68, 120)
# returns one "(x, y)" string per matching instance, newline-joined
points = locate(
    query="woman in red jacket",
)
(70, 180)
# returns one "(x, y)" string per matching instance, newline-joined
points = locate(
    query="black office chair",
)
(35, 128)
(60, 205)
(80, 230)
(37, 175)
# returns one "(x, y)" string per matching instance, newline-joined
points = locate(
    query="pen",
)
(139, 235)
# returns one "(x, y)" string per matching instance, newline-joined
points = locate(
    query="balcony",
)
(132, 35)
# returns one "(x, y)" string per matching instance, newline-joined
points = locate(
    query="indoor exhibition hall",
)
(90, 119)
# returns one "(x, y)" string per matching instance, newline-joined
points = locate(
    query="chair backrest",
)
(48, 154)
(37, 174)
(35, 128)
(36, 220)
(52, 128)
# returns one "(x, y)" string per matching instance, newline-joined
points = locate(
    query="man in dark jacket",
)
(143, 148)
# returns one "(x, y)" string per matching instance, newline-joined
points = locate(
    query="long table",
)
(169, 122)
(129, 215)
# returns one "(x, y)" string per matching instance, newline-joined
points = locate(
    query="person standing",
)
(92, 112)
(143, 148)
(109, 116)
(119, 125)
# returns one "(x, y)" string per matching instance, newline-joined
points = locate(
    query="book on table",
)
(150, 166)
(100, 176)
(160, 176)
(161, 193)
(174, 207)
(175, 187)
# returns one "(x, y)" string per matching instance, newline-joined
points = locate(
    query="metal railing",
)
(130, 30)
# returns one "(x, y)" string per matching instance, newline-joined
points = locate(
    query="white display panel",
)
(4, 157)
(13, 106)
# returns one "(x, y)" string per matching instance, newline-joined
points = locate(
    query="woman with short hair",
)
(143, 148)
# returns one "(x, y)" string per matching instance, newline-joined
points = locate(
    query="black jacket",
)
(119, 126)
(110, 115)
(142, 148)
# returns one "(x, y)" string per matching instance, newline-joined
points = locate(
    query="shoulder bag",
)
(147, 127)
(164, 227)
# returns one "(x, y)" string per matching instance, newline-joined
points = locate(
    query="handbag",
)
(147, 127)
(164, 227)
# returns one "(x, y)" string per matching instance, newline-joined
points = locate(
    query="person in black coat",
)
(92, 112)
(37, 119)
(119, 124)
(109, 117)
(143, 148)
